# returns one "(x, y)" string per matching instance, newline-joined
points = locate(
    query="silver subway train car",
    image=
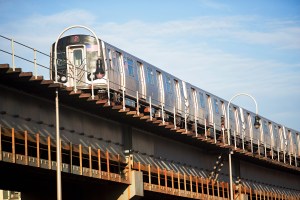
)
(127, 80)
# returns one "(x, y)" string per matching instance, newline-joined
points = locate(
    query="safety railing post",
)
(258, 147)
(243, 141)
(137, 103)
(215, 134)
(265, 149)
(234, 135)
(223, 135)
(35, 66)
(196, 127)
(185, 119)
(13, 54)
(123, 96)
(278, 156)
(92, 75)
(251, 141)
(162, 113)
(108, 92)
(75, 79)
(150, 107)
(205, 131)
(174, 113)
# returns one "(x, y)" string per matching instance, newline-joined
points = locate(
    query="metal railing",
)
(167, 113)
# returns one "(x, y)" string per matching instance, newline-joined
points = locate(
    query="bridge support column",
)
(136, 189)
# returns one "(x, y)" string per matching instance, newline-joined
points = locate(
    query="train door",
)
(131, 76)
(117, 70)
(196, 104)
(289, 142)
(187, 102)
(160, 86)
(203, 113)
(76, 65)
(237, 123)
(210, 119)
(178, 97)
(110, 67)
(294, 142)
(169, 93)
(224, 115)
(242, 124)
(276, 137)
(151, 87)
(271, 131)
(217, 113)
(142, 83)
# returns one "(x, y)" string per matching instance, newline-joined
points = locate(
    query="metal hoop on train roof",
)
(55, 46)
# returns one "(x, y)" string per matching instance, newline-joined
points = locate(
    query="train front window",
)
(77, 57)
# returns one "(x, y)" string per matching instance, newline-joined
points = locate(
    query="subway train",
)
(127, 80)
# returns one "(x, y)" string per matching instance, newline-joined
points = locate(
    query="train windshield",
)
(77, 57)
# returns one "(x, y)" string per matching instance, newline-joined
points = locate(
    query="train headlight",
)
(63, 79)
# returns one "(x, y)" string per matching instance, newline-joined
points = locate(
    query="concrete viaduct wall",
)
(29, 112)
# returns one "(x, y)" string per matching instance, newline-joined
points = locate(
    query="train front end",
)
(79, 62)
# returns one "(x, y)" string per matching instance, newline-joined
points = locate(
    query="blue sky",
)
(224, 47)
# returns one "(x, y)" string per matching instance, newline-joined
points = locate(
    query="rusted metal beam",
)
(149, 176)
(107, 164)
(99, 163)
(80, 159)
(13, 145)
(158, 177)
(90, 161)
(49, 151)
(26, 147)
(202, 188)
(38, 150)
(71, 157)
(178, 179)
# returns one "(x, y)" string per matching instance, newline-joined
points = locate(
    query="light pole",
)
(58, 158)
(256, 125)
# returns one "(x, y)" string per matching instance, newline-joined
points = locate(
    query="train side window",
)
(202, 101)
(168, 84)
(150, 76)
(216, 105)
(130, 67)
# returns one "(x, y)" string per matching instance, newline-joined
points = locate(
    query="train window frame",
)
(74, 56)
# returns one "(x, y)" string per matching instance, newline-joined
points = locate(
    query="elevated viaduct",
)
(113, 153)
